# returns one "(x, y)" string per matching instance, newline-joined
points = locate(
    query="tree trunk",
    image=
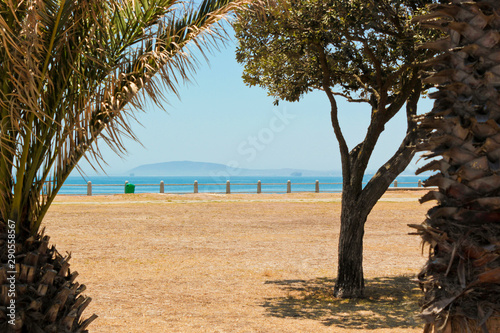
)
(461, 279)
(38, 293)
(350, 280)
(454, 326)
(357, 203)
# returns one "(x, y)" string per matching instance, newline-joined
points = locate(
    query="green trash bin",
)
(129, 188)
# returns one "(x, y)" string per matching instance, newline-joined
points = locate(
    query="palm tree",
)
(68, 70)
(461, 278)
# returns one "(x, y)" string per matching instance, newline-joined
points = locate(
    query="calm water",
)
(114, 185)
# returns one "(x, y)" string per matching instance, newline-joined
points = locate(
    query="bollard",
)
(89, 188)
(195, 186)
(288, 187)
(395, 183)
(228, 187)
(162, 187)
(419, 183)
(317, 187)
(259, 187)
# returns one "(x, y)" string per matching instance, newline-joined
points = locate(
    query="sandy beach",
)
(237, 263)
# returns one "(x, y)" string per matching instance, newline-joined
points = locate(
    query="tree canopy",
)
(368, 48)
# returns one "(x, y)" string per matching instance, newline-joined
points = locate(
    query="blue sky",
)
(221, 120)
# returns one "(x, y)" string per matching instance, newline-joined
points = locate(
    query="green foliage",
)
(370, 47)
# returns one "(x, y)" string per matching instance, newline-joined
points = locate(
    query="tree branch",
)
(374, 91)
(405, 92)
(344, 150)
(376, 64)
(382, 117)
(386, 174)
(349, 98)
(390, 79)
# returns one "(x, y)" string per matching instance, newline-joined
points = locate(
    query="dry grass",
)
(236, 263)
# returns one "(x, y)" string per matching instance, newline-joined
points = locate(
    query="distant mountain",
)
(188, 168)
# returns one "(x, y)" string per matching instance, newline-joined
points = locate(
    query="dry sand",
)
(236, 263)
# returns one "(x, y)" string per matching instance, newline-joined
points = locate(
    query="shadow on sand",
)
(390, 302)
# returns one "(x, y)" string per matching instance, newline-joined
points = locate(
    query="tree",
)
(68, 70)
(461, 278)
(364, 51)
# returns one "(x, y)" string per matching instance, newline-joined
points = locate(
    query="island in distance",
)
(189, 168)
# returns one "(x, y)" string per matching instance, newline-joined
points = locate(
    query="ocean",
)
(206, 184)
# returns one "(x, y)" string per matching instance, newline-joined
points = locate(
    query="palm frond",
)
(76, 71)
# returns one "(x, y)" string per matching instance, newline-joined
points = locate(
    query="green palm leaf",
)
(72, 73)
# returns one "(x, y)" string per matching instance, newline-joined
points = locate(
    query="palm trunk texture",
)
(48, 300)
(461, 279)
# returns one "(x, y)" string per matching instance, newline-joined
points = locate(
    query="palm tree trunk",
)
(47, 297)
(461, 279)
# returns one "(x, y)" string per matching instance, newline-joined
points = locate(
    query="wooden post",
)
(395, 183)
(162, 187)
(195, 186)
(259, 187)
(125, 187)
(419, 183)
(228, 187)
(288, 187)
(89, 188)
(317, 187)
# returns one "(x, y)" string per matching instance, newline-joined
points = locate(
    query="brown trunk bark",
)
(350, 279)
(47, 298)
